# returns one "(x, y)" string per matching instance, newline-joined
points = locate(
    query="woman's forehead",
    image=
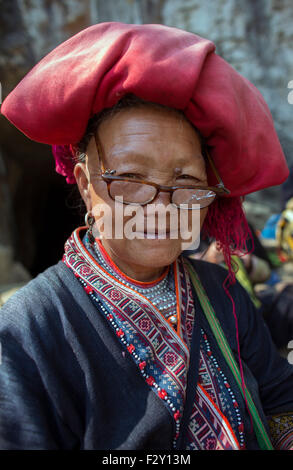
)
(149, 159)
(143, 135)
(147, 119)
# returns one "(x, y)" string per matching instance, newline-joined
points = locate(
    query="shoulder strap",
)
(260, 431)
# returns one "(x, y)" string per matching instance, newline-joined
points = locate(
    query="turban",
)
(95, 68)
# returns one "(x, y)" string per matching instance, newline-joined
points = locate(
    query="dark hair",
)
(127, 102)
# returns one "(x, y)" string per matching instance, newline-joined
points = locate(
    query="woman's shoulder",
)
(227, 299)
(51, 279)
(213, 277)
(208, 270)
(36, 302)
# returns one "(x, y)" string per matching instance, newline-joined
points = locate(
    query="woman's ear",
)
(81, 174)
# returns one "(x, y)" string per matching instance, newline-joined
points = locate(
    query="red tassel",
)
(226, 223)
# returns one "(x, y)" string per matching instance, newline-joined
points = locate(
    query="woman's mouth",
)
(157, 234)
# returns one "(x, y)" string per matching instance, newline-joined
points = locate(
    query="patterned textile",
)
(160, 352)
(213, 384)
(281, 430)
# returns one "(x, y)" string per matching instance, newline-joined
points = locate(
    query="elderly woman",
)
(125, 343)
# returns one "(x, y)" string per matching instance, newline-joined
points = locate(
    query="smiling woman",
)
(126, 343)
(143, 143)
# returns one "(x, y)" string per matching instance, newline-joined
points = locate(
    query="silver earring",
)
(89, 222)
(89, 219)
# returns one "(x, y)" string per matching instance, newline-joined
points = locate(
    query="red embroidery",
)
(88, 289)
(162, 394)
(241, 427)
(150, 380)
(144, 324)
(115, 294)
(177, 415)
(86, 270)
(130, 348)
(170, 359)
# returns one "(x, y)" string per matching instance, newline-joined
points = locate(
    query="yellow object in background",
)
(284, 232)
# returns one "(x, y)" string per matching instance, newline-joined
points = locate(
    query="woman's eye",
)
(188, 177)
(130, 175)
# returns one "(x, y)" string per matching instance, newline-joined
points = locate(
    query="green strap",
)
(260, 431)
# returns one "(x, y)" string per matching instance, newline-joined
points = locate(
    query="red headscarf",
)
(98, 66)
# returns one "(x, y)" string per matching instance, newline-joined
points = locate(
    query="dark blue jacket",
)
(66, 382)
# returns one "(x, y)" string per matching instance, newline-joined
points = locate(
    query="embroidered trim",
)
(219, 390)
(281, 431)
(215, 432)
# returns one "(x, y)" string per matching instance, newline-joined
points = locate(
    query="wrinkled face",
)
(148, 144)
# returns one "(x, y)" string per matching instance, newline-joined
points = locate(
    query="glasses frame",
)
(108, 176)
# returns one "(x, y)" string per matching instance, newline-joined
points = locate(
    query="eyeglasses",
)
(137, 192)
(140, 192)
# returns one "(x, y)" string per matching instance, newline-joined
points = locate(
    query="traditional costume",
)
(90, 363)
(95, 360)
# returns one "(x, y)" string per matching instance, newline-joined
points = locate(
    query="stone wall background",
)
(37, 209)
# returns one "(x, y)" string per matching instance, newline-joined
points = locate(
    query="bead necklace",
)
(161, 294)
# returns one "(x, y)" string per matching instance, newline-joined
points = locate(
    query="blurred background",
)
(38, 210)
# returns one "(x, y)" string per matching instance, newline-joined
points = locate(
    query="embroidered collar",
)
(160, 292)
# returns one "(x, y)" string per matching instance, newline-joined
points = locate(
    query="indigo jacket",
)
(66, 383)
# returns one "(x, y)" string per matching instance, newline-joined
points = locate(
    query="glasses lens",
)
(132, 193)
(203, 197)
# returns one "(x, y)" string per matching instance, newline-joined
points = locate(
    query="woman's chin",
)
(154, 252)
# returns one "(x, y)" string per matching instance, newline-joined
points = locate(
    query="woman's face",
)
(148, 144)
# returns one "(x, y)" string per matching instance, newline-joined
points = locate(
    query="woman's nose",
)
(163, 197)
(160, 212)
